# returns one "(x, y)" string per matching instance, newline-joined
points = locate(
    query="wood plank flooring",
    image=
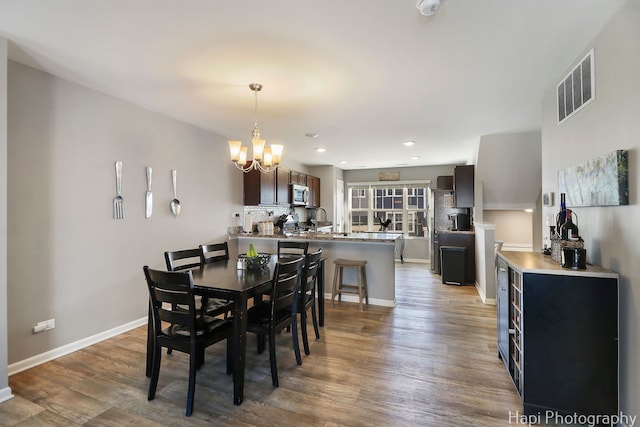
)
(430, 361)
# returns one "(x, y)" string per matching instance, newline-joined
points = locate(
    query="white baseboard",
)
(354, 298)
(5, 394)
(483, 296)
(39, 359)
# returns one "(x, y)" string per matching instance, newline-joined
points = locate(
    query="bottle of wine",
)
(562, 215)
(568, 230)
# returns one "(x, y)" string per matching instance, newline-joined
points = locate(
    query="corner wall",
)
(609, 123)
(5, 391)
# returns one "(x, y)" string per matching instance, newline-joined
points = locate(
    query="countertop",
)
(455, 231)
(337, 237)
(534, 262)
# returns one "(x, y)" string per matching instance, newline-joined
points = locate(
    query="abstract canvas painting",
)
(599, 182)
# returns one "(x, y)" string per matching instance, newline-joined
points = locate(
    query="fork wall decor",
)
(118, 201)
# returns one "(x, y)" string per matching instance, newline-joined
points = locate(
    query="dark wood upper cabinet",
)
(259, 188)
(314, 191)
(283, 193)
(298, 178)
(463, 178)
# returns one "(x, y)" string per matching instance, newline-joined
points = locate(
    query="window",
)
(402, 205)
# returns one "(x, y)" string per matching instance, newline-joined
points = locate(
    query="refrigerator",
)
(440, 202)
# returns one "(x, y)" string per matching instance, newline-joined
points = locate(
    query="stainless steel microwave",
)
(299, 195)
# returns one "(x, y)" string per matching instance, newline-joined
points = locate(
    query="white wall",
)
(5, 391)
(609, 123)
(67, 258)
(514, 228)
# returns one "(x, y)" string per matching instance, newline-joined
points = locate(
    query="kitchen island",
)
(377, 248)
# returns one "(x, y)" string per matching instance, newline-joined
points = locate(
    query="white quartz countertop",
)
(336, 237)
(534, 262)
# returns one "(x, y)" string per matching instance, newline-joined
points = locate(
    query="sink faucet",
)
(325, 213)
(314, 222)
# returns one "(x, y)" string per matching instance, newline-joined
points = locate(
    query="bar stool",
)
(339, 287)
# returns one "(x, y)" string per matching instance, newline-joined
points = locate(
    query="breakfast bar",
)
(377, 248)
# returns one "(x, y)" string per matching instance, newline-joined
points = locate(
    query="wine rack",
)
(515, 328)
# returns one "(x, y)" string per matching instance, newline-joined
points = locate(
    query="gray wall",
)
(609, 123)
(5, 392)
(406, 174)
(68, 259)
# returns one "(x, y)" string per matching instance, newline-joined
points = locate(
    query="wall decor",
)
(389, 176)
(547, 199)
(598, 182)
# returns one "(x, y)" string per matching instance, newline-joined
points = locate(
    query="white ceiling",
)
(364, 75)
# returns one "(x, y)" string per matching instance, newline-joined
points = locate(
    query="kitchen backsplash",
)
(271, 213)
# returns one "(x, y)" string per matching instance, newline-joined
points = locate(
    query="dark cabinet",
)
(298, 178)
(283, 188)
(259, 188)
(503, 310)
(463, 186)
(562, 335)
(314, 191)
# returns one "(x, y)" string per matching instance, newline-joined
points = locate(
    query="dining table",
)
(225, 280)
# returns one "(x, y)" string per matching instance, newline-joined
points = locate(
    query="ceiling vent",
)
(577, 89)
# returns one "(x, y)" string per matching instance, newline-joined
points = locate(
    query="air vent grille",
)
(577, 89)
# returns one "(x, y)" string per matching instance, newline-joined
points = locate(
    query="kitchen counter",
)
(534, 262)
(377, 248)
(389, 238)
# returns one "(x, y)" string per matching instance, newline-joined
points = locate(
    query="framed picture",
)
(547, 199)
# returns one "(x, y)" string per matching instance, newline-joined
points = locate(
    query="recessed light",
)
(408, 143)
(311, 135)
(415, 157)
(321, 150)
(343, 162)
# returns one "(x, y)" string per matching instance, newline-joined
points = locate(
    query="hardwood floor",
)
(430, 361)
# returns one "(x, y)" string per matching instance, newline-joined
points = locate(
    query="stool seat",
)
(350, 262)
(339, 287)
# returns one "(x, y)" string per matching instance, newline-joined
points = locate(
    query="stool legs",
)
(360, 288)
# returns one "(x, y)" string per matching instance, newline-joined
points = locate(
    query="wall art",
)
(599, 182)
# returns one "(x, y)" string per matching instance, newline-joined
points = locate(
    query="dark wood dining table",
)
(224, 280)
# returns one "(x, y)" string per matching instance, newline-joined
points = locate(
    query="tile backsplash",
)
(272, 213)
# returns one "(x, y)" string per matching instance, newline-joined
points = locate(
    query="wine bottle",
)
(562, 215)
(569, 231)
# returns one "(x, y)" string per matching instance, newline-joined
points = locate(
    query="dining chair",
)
(183, 260)
(215, 252)
(189, 331)
(193, 258)
(268, 318)
(307, 296)
(210, 254)
(286, 247)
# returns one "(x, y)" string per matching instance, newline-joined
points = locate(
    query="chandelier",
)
(265, 159)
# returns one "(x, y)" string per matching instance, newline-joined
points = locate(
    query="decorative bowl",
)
(255, 263)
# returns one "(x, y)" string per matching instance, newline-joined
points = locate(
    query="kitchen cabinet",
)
(259, 188)
(463, 186)
(313, 183)
(298, 178)
(561, 330)
(283, 188)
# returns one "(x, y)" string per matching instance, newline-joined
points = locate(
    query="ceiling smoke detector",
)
(428, 7)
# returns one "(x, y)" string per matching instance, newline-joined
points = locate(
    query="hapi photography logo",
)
(553, 417)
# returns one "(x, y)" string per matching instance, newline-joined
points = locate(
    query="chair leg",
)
(193, 361)
(303, 327)
(360, 290)
(314, 318)
(272, 358)
(155, 372)
(366, 288)
(200, 358)
(261, 342)
(296, 342)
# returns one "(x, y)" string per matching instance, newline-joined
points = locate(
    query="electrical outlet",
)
(44, 326)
